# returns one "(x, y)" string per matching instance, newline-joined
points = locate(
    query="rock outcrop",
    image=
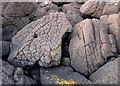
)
(91, 45)
(40, 41)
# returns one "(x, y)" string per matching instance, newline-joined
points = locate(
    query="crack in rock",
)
(40, 41)
(91, 46)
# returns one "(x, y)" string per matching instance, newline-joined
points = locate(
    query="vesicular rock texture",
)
(112, 22)
(40, 41)
(107, 74)
(91, 45)
(62, 76)
(97, 8)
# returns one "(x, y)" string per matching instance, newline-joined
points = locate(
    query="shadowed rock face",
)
(99, 8)
(90, 46)
(40, 41)
(11, 75)
(107, 74)
(17, 9)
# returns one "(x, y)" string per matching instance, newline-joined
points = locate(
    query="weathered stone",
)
(40, 41)
(11, 75)
(98, 8)
(18, 9)
(12, 25)
(91, 45)
(62, 76)
(72, 12)
(112, 22)
(43, 9)
(4, 48)
(107, 74)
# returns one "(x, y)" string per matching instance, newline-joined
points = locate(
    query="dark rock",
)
(66, 61)
(5, 48)
(62, 76)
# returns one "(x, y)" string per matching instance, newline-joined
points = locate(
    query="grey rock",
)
(98, 8)
(112, 22)
(4, 48)
(72, 12)
(11, 25)
(91, 45)
(17, 9)
(107, 74)
(11, 75)
(43, 9)
(62, 76)
(40, 41)
(66, 61)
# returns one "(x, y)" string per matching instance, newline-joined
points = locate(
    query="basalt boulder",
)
(91, 45)
(40, 41)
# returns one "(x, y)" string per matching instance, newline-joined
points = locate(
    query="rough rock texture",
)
(91, 45)
(40, 41)
(4, 48)
(62, 75)
(112, 22)
(11, 75)
(17, 8)
(97, 8)
(65, 61)
(72, 12)
(43, 9)
(107, 74)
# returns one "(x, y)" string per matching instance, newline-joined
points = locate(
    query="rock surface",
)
(62, 76)
(72, 12)
(5, 48)
(107, 74)
(112, 22)
(98, 8)
(91, 45)
(40, 41)
(11, 75)
(17, 8)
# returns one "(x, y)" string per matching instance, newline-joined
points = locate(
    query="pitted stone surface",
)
(40, 41)
(107, 74)
(91, 45)
(112, 22)
(97, 8)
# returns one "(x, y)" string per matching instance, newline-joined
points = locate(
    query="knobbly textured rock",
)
(11, 75)
(91, 45)
(107, 74)
(40, 41)
(72, 12)
(4, 48)
(98, 8)
(62, 76)
(112, 22)
(17, 8)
